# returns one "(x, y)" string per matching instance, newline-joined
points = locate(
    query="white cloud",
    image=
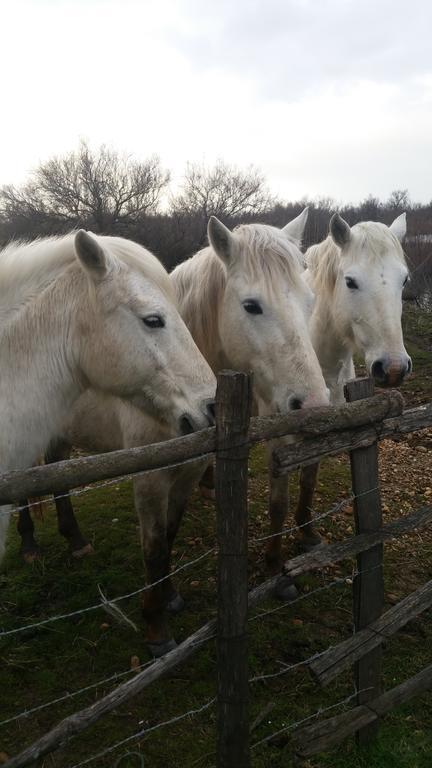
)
(330, 98)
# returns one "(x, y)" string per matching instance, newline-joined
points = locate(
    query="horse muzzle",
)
(390, 371)
(194, 422)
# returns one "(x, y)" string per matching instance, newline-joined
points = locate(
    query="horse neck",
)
(199, 285)
(39, 380)
(331, 346)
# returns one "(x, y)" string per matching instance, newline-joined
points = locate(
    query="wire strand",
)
(144, 732)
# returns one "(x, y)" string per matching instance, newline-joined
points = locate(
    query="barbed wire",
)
(116, 676)
(101, 484)
(314, 716)
(184, 566)
(144, 732)
(342, 579)
(333, 510)
(114, 600)
(304, 596)
(305, 662)
(129, 476)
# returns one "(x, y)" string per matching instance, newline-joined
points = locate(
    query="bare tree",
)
(399, 200)
(223, 191)
(100, 189)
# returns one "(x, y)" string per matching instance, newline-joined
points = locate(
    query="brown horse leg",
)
(308, 536)
(66, 520)
(279, 502)
(179, 494)
(151, 504)
(278, 509)
(207, 483)
(30, 550)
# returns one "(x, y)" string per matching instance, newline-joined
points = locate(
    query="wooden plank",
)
(327, 554)
(318, 421)
(290, 457)
(233, 408)
(368, 585)
(58, 478)
(327, 733)
(328, 666)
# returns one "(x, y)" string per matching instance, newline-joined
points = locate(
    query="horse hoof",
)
(207, 493)
(285, 589)
(31, 556)
(160, 649)
(87, 549)
(176, 604)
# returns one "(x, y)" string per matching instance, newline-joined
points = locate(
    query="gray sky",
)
(326, 97)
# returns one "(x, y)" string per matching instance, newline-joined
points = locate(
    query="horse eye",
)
(252, 307)
(405, 282)
(351, 283)
(154, 321)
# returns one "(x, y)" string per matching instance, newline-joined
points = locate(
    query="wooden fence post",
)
(368, 587)
(233, 406)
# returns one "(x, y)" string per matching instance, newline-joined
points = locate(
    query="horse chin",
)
(389, 381)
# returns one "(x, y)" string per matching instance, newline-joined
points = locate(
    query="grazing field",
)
(43, 664)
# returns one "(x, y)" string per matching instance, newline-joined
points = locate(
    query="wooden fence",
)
(355, 427)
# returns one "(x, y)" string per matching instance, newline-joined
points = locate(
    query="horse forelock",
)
(28, 268)
(268, 256)
(375, 240)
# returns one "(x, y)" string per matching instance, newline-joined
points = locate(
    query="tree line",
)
(110, 193)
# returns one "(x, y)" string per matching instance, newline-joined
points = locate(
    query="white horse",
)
(83, 311)
(357, 274)
(247, 307)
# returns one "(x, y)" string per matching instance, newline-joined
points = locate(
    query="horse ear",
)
(220, 239)
(398, 228)
(91, 255)
(295, 228)
(340, 230)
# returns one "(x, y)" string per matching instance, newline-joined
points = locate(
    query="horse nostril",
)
(211, 411)
(378, 371)
(186, 425)
(296, 403)
(409, 366)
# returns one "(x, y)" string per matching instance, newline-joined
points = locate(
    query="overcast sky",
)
(326, 97)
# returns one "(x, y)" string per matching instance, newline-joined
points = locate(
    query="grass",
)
(42, 664)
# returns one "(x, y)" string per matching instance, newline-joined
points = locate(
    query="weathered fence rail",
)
(355, 427)
(327, 733)
(64, 475)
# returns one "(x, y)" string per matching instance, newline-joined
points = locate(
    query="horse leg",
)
(279, 502)
(308, 536)
(66, 520)
(207, 483)
(151, 504)
(30, 550)
(278, 509)
(179, 494)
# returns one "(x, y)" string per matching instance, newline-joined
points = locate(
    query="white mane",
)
(27, 269)
(265, 254)
(370, 240)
